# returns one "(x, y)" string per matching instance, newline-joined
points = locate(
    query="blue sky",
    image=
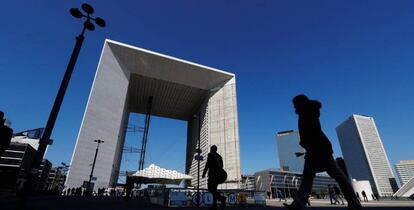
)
(353, 56)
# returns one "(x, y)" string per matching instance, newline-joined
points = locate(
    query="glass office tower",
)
(288, 145)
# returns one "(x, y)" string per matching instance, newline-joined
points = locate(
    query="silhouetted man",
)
(376, 196)
(331, 194)
(338, 194)
(357, 195)
(6, 134)
(216, 175)
(364, 195)
(318, 155)
(280, 195)
(129, 185)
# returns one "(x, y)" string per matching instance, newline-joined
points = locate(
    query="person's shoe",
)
(290, 206)
(354, 207)
(223, 202)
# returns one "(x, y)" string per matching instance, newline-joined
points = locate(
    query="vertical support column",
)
(145, 135)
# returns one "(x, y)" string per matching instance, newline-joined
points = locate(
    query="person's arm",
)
(298, 154)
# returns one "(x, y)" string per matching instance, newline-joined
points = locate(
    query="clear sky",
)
(354, 56)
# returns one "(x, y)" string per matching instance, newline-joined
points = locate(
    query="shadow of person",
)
(216, 175)
(318, 156)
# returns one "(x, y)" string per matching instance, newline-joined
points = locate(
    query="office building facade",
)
(15, 162)
(56, 179)
(271, 180)
(248, 182)
(364, 154)
(405, 170)
(287, 145)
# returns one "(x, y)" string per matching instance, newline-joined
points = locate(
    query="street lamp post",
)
(44, 140)
(65, 81)
(284, 183)
(94, 159)
(199, 158)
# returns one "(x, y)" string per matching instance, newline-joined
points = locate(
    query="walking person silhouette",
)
(6, 134)
(216, 175)
(318, 156)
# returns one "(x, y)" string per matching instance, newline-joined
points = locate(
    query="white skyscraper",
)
(405, 170)
(364, 154)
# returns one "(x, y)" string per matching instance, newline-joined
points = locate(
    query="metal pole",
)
(145, 134)
(94, 160)
(198, 161)
(43, 142)
(289, 189)
(45, 139)
(284, 182)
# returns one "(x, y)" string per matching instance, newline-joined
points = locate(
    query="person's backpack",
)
(221, 173)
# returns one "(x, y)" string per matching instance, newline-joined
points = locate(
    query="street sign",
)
(88, 185)
(207, 198)
(177, 198)
(231, 198)
(259, 198)
(198, 157)
(94, 178)
(197, 196)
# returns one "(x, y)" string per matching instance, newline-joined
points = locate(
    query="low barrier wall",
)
(178, 197)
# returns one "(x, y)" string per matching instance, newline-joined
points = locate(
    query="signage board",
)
(88, 185)
(259, 198)
(197, 196)
(178, 198)
(232, 199)
(207, 198)
(198, 157)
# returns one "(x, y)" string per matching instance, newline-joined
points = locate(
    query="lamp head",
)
(100, 22)
(88, 25)
(76, 13)
(87, 8)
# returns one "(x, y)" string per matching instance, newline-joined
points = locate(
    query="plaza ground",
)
(117, 203)
(371, 204)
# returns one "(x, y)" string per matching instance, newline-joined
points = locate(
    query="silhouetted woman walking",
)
(318, 156)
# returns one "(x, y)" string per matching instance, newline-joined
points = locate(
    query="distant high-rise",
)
(364, 154)
(288, 145)
(405, 170)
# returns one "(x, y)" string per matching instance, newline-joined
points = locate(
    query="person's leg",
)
(335, 200)
(331, 198)
(340, 197)
(308, 202)
(212, 188)
(305, 188)
(335, 172)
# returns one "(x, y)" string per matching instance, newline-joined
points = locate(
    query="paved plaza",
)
(324, 203)
(117, 203)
